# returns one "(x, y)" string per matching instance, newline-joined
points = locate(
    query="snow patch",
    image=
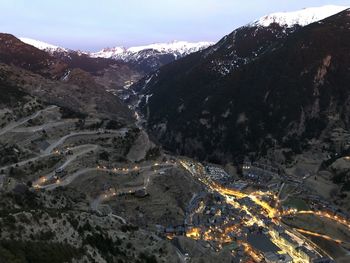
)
(66, 76)
(147, 97)
(109, 52)
(43, 45)
(301, 17)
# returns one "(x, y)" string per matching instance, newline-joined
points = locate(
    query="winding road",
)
(14, 125)
(73, 134)
(88, 148)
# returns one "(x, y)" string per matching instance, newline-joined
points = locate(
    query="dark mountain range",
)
(28, 71)
(258, 87)
(110, 73)
(117, 68)
(80, 60)
(15, 52)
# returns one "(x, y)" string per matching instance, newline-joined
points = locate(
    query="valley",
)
(198, 152)
(88, 160)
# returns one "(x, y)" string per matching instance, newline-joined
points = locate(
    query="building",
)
(271, 257)
(262, 243)
(287, 242)
(60, 172)
(276, 230)
(217, 173)
(246, 201)
(306, 254)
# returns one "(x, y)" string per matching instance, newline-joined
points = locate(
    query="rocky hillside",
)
(26, 70)
(259, 86)
(112, 74)
(37, 227)
(15, 52)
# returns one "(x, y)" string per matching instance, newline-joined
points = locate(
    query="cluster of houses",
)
(217, 174)
(233, 225)
(264, 241)
(211, 219)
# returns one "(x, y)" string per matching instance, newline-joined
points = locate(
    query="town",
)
(252, 222)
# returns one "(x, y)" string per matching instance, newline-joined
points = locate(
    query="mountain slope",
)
(283, 86)
(30, 71)
(140, 58)
(117, 68)
(110, 73)
(16, 52)
(74, 59)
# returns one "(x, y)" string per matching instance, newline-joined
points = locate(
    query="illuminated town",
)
(251, 215)
(251, 222)
(245, 216)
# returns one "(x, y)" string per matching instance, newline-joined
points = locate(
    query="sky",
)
(91, 25)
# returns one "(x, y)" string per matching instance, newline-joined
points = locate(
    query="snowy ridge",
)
(288, 23)
(42, 45)
(301, 17)
(182, 47)
(177, 48)
(108, 52)
(148, 57)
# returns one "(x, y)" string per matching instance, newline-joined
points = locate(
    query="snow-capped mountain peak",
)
(108, 52)
(301, 17)
(181, 47)
(147, 58)
(177, 48)
(42, 45)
